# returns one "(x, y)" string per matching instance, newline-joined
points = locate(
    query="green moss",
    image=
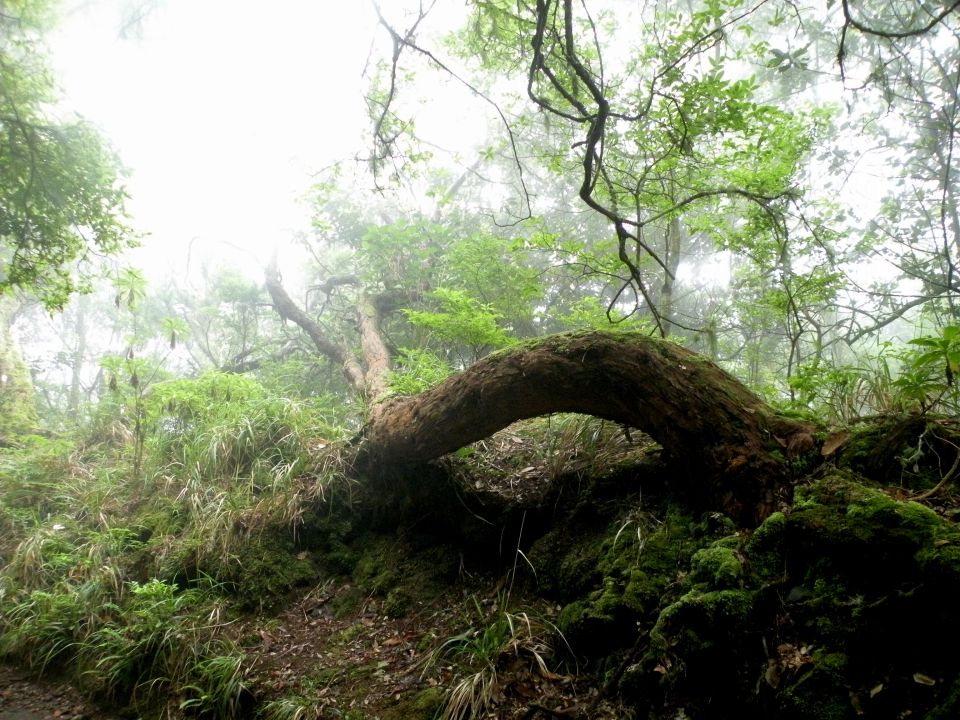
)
(703, 647)
(586, 627)
(397, 603)
(717, 566)
(424, 705)
(765, 549)
(632, 564)
(940, 561)
(838, 572)
(608, 615)
(262, 572)
(389, 568)
(324, 677)
(699, 622)
(832, 663)
(642, 591)
(351, 633)
(816, 695)
(858, 530)
(372, 571)
(429, 702)
(568, 563)
(347, 601)
(869, 505)
(949, 707)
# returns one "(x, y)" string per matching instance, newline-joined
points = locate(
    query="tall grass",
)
(498, 639)
(104, 570)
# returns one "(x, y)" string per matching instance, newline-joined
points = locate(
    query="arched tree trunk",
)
(709, 423)
(713, 428)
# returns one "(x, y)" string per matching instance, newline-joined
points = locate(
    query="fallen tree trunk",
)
(710, 424)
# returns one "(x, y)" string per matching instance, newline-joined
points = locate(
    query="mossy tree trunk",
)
(710, 424)
(713, 428)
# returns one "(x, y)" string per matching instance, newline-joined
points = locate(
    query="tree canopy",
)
(61, 201)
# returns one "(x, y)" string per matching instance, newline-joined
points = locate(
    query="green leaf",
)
(953, 361)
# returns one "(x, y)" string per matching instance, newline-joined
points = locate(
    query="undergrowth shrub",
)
(111, 560)
(147, 644)
(498, 640)
(233, 461)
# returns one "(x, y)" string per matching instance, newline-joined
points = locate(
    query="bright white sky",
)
(221, 110)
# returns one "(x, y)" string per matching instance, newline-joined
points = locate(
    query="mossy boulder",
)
(718, 566)
(766, 549)
(264, 571)
(818, 693)
(883, 578)
(634, 564)
(843, 606)
(880, 580)
(698, 649)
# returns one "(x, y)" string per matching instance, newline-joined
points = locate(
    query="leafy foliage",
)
(60, 191)
(462, 321)
(417, 370)
(499, 638)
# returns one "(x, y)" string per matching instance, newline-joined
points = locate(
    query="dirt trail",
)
(25, 697)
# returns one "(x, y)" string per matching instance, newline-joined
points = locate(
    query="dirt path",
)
(25, 697)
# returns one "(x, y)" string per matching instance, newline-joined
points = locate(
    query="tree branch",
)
(289, 310)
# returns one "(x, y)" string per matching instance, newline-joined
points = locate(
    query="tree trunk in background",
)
(367, 374)
(79, 354)
(17, 412)
(675, 236)
(709, 423)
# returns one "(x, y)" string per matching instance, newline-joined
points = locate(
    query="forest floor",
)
(346, 649)
(364, 661)
(367, 661)
(340, 649)
(417, 622)
(23, 696)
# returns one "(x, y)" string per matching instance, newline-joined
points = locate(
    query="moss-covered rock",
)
(264, 571)
(830, 610)
(817, 694)
(766, 549)
(874, 580)
(718, 566)
(633, 565)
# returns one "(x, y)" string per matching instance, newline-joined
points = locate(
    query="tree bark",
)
(709, 423)
(367, 376)
(288, 310)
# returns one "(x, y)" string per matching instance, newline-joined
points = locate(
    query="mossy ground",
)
(841, 605)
